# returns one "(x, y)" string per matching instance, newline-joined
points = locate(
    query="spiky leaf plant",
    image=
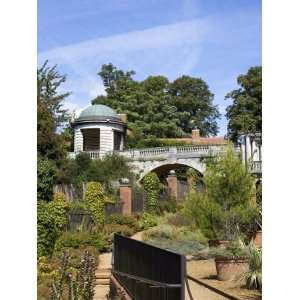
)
(253, 277)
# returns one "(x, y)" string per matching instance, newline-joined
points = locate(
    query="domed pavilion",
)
(99, 130)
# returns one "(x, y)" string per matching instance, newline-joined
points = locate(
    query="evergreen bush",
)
(95, 200)
(225, 208)
(46, 176)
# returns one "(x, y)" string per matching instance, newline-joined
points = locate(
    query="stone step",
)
(103, 275)
(100, 270)
(105, 281)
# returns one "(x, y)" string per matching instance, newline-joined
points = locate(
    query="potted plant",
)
(231, 261)
(253, 276)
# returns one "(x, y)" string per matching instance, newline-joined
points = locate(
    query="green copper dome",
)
(98, 110)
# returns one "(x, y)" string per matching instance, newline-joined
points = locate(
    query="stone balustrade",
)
(178, 152)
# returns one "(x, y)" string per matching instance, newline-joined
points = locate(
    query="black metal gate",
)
(148, 272)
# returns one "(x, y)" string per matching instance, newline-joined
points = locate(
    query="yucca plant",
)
(253, 277)
(79, 288)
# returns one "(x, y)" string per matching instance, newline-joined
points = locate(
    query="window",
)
(91, 139)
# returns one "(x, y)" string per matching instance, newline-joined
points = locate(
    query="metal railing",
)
(148, 272)
(256, 166)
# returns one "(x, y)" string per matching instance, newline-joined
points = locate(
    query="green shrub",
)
(204, 214)
(178, 219)
(78, 206)
(78, 240)
(180, 247)
(129, 220)
(152, 186)
(170, 232)
(228, 181)
(225, 208)
(46, 175)
(95, 200)
(125, 230)
(169, 206)
(51, 220)
(84, 169)
(147, 221)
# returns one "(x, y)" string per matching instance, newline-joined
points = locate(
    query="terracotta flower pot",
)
(258, 239)
(229, 269)
(217, 243)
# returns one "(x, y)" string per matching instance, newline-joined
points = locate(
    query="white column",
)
(248, 147)
(255, 151)
(78, 140)
(106, 140)
(122, 142)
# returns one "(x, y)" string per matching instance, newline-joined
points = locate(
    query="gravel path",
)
(201, 292)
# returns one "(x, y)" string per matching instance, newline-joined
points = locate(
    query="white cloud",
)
(164, 36)
(171, 50)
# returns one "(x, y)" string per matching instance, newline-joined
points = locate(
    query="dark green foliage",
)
(50, 114)
(46, 176)
(194, 103)
(51, 219)
(130, 221)
(245, 113)
(225, 208)
(84, 169)
(151, 185)
(125, 230)
(77, 240)
(228, 181)
(147, 221)
(153, 142)
(204, 214)
(156, 107)
(168, 205)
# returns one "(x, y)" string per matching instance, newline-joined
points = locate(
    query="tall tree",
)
(50, 114)
(156, 107)
(245, 113)
(194, 101)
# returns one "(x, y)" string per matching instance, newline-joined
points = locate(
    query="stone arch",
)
(147, 167)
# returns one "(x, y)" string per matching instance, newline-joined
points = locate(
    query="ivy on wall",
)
(152, 185)
(51, 219)
(95, 200)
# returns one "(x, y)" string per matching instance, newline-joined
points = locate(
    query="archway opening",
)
(176, 180)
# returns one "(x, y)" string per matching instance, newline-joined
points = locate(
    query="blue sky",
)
(213, 39)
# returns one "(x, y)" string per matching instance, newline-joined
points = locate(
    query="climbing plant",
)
(95, 200)
(151, 185)
(51, 219)
(193, 176)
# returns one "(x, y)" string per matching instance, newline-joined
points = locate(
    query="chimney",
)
(123, 117)
(195, 134)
